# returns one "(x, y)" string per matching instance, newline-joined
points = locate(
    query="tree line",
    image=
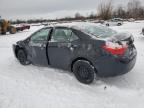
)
(133, 9)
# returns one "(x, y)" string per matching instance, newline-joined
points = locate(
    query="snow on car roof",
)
(73, 24)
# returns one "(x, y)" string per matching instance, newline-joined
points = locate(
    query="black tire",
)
(143, 31)
(119, 24)
(21, 29)
(107, 24)
(12, 30)
(21, 55)
(3, 33)
(84, 71)
(28, 27)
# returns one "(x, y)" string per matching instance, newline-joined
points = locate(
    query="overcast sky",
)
(24, 9)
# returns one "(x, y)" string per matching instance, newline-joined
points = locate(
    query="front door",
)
(38, 43)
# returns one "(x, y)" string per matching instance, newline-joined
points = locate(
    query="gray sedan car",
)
(86, 49)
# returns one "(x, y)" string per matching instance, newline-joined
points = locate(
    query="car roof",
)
(72, 24)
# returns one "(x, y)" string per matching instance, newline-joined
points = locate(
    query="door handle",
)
(74, 46)
(63, 45)
(43, 46)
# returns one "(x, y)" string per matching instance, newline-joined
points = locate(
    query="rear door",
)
(60, 48)
(38, 43)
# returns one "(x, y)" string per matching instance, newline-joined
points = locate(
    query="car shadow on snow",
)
(141, 38)
(67, 78)
(126, 81)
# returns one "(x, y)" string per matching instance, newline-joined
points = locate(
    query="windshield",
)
(97, 30)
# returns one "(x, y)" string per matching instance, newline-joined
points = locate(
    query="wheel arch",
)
(119, 24)
(18, 48)
(82, 58)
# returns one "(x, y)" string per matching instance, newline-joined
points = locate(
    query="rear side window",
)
(63, 35)
(98, 31)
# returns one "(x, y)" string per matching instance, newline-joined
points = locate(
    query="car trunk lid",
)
(125, 40)
(122, 38)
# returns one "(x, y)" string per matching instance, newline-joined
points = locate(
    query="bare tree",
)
(92, 15)
(105, 10)
(120, 12)
(133, 8)
(78, 15)
(141, 12)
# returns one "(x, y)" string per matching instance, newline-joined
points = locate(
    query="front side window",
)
(63, 35)
(41, 35)
(73, 37)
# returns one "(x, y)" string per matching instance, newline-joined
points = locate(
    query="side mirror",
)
(27, 40)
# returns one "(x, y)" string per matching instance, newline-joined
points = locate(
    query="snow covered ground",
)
(44, 87)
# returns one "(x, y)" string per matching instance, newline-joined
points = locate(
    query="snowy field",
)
(44, 87)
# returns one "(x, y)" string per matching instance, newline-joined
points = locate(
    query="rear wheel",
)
(143, 31)
(21, 55)
(84, 71)
(21, 29)
(3, 33)
(28, 27)
(119, 24)
(107, 24)
(12, 30)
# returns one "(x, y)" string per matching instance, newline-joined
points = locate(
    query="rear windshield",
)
(97, 30)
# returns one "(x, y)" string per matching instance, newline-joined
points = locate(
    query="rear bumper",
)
(110, 66)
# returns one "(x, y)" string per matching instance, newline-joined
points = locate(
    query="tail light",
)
(115, 48)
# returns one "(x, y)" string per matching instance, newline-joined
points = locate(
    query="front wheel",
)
(21, 55)
(84, 71)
